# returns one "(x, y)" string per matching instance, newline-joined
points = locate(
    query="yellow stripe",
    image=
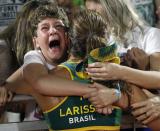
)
(53, 108)
(68, 71)
(117, 107)
(113, 60)
(109, 128)
(83, 75)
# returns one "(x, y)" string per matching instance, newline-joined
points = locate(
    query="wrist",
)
(118, 94)
(119, 72)
(123, 73)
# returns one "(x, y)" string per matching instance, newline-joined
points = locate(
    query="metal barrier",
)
(36, 125)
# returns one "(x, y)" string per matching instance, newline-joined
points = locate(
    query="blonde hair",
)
(120, 16)
(88, 33)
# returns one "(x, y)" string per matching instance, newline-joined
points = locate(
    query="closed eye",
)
(59, 27)
(45, 28)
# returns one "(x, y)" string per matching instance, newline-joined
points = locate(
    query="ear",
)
(35, 43)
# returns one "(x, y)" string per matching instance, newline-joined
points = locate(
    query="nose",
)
(53, 30)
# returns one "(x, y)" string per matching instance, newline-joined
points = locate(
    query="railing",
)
(36, 125)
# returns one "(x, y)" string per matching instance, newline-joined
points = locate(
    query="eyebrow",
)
(57, 22)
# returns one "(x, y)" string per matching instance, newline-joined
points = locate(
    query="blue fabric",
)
(137, 129)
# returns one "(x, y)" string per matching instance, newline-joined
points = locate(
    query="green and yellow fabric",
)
(103, 54)
(77, 114)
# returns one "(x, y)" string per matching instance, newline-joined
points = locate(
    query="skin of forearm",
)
(155, 62)
(16, 84)
(50, 84)
(57, 86)
(19, 87)
(145, 79)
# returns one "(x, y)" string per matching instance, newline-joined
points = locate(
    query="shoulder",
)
(151, 31)
(152, 40)
(61, 72)
(32, 52)
(33, 56)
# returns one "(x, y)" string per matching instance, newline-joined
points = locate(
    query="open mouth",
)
(54, 44)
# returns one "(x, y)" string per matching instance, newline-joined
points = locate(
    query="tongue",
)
(54, 49)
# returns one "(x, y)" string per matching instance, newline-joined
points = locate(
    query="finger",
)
(151, 118)
(109, 110)
(145, 121)
(148, 93)
(95, 70)
(4, 97)
(95, 65)
(98, 74)
(140, 111)
(127, 60)
(99, 110)
(135, 54)
(136, 51)
(141, 117)
(98, 86)
(139, 104)
(131, 54)
(3, 92)
(105, 111)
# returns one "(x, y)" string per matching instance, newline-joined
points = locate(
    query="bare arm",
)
(50, 84)
(146, 79)
(17, 84)
(110, 71)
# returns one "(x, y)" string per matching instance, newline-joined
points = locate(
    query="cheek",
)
(43, 38)
(42, 35)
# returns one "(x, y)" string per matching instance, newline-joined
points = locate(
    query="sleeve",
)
(33, 57)
(153, 41)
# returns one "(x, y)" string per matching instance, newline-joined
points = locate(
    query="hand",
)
(104, 71)
(137, 58)
(3, 96)
(148, 110)
(102, 97)
(105, 110)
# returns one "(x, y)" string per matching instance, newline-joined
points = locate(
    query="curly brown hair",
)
(47, 11)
